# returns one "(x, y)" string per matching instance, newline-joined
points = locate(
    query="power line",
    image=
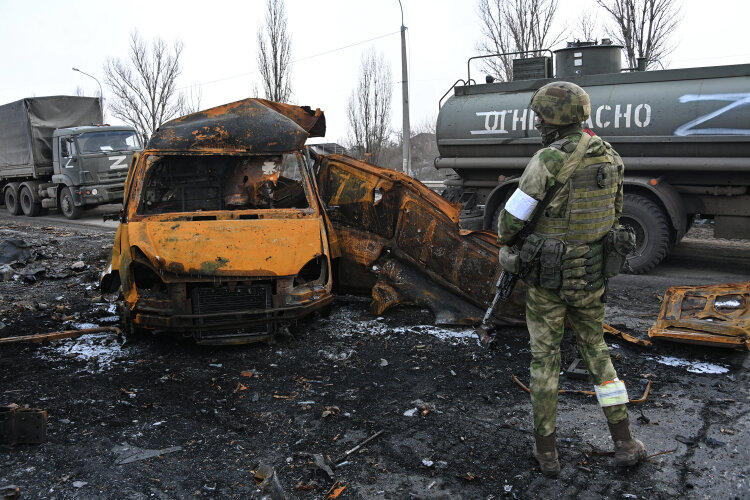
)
(240, 75)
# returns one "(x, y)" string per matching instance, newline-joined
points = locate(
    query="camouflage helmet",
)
(561, 103)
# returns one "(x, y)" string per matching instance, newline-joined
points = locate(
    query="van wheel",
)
(28, 205)
(651, 232)
(11, 200)
(67, 207)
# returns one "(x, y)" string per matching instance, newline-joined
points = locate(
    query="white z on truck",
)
(54, 153)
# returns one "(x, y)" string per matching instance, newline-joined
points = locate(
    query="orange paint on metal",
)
(716, 315)
(263, 247)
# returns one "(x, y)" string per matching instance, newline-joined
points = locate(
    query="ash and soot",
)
(350, 404)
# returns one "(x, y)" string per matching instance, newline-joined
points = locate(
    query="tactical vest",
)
(566, 253)
(590, 208)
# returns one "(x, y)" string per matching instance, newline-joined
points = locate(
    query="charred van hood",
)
(252, 125)
(265, 247)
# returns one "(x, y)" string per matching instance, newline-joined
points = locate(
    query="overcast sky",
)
(42, 40)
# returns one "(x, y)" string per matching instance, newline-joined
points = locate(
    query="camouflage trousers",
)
(545, 319)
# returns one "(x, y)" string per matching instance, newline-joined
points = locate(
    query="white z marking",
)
(117, 161)
(736, 100)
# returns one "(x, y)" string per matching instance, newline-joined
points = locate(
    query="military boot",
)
(628, 450)
(545, 452)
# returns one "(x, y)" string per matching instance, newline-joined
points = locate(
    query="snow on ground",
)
(99, 350)
(692, 366)
(345, 323)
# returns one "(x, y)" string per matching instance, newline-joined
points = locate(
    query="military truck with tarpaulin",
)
(683, 134)
(55, 153)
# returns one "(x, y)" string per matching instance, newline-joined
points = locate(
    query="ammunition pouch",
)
(582, 271)
(509, 259)
(618, 244)
(550, 263)
(528, 257)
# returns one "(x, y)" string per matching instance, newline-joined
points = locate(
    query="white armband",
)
(520, 205)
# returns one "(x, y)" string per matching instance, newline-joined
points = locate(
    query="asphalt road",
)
(92, 217)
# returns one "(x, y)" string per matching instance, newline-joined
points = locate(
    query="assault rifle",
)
(507, 281)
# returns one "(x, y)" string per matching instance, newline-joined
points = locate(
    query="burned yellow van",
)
(221, 234)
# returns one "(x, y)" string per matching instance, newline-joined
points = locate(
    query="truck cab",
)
(54, 155)
(90, 164)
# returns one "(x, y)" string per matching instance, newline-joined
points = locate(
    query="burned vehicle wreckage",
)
(231, 227)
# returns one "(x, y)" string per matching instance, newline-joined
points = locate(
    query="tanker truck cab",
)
(90, 165)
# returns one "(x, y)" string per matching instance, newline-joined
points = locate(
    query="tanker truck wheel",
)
(30, 207)
(11, 200)
(651, 232)
(67, 207)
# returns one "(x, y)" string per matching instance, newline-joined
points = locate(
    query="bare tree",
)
(191, 102)
(587, 26)
(643, 27)
(275, 52)
(144, 86)
(427, 126)
(369, 108)
(515, 26)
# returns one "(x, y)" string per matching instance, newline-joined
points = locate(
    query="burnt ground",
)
(454, 424)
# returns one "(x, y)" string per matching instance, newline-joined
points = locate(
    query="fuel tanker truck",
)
(683, 134)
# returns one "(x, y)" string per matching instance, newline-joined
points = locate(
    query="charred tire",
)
(67, 206)
(651, 232)
(30, 207)
(131, 331)
(11, 201)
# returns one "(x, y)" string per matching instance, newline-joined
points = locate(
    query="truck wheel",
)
(11, 201)
(67, 207)
(651, 232)
(28, 205)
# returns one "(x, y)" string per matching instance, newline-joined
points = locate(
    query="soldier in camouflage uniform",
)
(576, 244)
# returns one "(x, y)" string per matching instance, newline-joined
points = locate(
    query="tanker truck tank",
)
(684, 136)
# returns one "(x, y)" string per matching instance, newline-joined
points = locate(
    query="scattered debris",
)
(14, 251)
(128, 454)
(319, 462)
(67, 334)
(626, 336)
(269, 482)
(640, 400)
(685, 440)
(715, 315)
(399, 241)
(336, 490)
(360, 445)
(574, 372)
(10, 492)
(20, 425)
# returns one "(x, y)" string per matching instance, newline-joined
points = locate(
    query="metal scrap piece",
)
(22, 425)
(626, 336)
(130, 454)
(715, 315)
(67, 334)
(386, 223)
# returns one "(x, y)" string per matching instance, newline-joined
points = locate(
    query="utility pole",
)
(101, 94)
(405, 130)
